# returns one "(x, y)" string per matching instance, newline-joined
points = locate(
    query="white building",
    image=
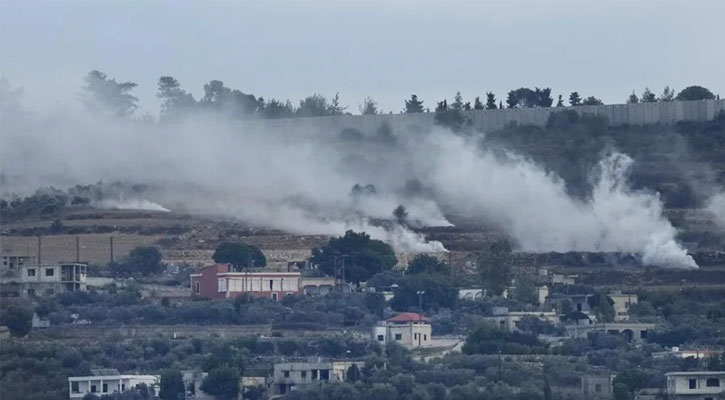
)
(695, 385)
(410, 330)
(289, 376)
(108, 381)
(621, 303)
(509, 320)
(44, 280)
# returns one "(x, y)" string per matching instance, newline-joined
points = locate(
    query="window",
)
(221, 285)
(303, 374)
(286, 374)
(415, 336)
(693, 383)
(712, 382)
(74, 387)
(123, 387)
(274, 296)
(314, 374)
(324, 374)
(93, 388)
(425, 337)
(598, 388)
(31, 292)
(270, 284)
(105, 388)
(381, 338)
(398, 336)
(31, 271)
(197, 287)
(643, 334)
(50, 272)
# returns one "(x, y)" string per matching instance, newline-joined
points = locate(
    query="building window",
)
(324, 374)
(303, 374)
(105, 388)
(425, 337)
(643, 334)
(123, 387)
(693, 383)
(398, 336)
(31, 292)
(31, 271)
(286, 374)
(50, 272)
(271, 282)
(381, 338)
(712, 382)
(314, 374)
(74, 387)
(415, 336)
(93, 388)
(197, 287)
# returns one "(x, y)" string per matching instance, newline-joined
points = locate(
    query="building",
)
(192, 383)
(509, 320)
(108, 381)
(597, 386)
(289, 377)
(12, 261)
(621, 303)
(219, 281)
(542, 293)
(676, 352)
(471, 294)
(695, 385)
(410, 330)
(632, 331)
(314, 286)
(44, 280)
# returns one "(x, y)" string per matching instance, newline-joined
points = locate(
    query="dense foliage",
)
(240, 255)
(359, 256)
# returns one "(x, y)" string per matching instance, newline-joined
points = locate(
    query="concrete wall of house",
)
(680, 385)
(489, 120)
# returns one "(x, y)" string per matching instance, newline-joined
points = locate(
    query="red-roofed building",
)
(219, 281)
(410, 330)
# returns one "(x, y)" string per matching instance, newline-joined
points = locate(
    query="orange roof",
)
(407, 317)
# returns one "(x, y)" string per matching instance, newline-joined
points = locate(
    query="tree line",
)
(103, 94)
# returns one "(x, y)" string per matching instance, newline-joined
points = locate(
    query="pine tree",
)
(477, 105)
(633, 99)
(574, 99)
(490, 101)
(413, 105)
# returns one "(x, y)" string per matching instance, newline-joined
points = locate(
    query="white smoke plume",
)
(716, 206)
(302, 183)
(130, 204)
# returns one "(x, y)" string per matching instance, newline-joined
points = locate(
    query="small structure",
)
(509, 320)
(219, 281)
(471, 294)
(44, 280)
(108, 381)
(38, 322)
(192, 384)
(676, 352)
(411, 330)
(621, 303)
(542, 293)
(14, 261)
(314, 286)
(597, 386)
(289, 377)
(695, 385)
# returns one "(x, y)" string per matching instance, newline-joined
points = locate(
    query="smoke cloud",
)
(304, 183)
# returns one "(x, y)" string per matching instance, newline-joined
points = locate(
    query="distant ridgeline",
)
(667, 112)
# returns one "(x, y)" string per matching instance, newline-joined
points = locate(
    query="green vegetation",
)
(239, 255)
(494, 267)
(18, 320)
(355, 255)
(139, 262)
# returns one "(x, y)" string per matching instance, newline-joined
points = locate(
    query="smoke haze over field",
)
(304, 183)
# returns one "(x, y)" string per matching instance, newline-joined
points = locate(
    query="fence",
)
(488, 120)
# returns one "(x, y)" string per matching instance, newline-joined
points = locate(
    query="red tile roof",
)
(407, 317)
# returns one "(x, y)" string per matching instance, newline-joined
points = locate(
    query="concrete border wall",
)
(488, 120)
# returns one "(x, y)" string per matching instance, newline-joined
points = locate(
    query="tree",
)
(560, 102)
(175, 101)
(592, 101)
(691, 93)
(172, 385)
(574, 99)
(424, 263)
(19, 320)
(451, 117)
(477, 105)
(369, 107)
(220, 98)
(277, 109)
(413, 105)
(222, 382)
(525, 289)
(104, 95)
(361, 257)
(400, 214)
(667, 94)
(313, 106)
(437, 288)
(490, 101)
(353, 373)
(140, 261)
(648, 96)
(494, 267)
(335, 108)
(240, 255)
(633, 99)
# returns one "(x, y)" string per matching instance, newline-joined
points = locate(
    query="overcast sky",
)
(288, 50)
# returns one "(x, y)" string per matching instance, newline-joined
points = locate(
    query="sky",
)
(382, 49)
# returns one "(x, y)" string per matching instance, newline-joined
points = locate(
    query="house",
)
(676, 352)
(108, 381)
(13, 261)
(471, 294)
(220, 281)
(410, 330)
(695, 385)
(44, 280)
(289, 377)
(509, 320)
(632, 331)
(314, 286)
(597, 386)
(621, 303)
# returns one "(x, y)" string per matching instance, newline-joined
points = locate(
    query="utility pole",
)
(344, 257)
(39, 251)
(78, 249)
(111, 246)
(499, 366)
(420, 294)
